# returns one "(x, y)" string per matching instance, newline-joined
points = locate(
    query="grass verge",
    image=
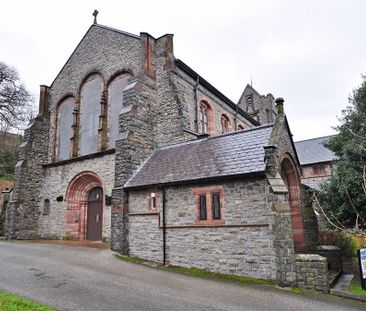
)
(10, 302)
(198, 272)
(355, 287)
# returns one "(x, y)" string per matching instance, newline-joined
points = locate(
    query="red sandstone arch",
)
(77, 202)
(291, 178)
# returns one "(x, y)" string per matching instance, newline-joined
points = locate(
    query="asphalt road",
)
(78, 278)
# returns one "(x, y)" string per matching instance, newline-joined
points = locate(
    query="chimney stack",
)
(279, 105)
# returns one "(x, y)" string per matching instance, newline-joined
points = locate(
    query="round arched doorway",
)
(292, 181)
(84, 211)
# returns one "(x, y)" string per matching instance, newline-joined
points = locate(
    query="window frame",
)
(205, 118)
(225, 124)
(209, 193)
(316, 170)
(153, 196)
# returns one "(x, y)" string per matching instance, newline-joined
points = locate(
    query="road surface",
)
(79, 278)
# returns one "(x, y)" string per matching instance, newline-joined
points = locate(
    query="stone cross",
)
(95, 13)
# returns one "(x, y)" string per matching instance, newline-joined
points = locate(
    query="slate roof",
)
(231, 154)
(313, 151)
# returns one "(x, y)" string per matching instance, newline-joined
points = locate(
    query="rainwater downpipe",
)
(236, 118)
(196, 101)
(164, 225)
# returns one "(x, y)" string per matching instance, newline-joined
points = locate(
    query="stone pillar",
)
(6, 197)
(119, 225)
(83, 220)
(43, 100)
(283, 244)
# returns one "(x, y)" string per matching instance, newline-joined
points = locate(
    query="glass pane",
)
(216, 205)
(89, 115)
(203, 209)
(64, 123)
(96, 194)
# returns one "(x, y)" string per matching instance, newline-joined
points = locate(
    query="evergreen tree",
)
(344, 195)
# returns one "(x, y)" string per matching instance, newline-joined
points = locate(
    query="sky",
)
(311, 53)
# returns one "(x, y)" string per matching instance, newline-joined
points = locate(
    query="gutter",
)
(196, 101)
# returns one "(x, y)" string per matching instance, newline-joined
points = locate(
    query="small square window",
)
(153, 200)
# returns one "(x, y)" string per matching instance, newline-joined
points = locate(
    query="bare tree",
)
(16, 103)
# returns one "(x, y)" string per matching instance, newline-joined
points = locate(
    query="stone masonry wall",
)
(102, 51)
(23, 212)
(186, 85)
(56, 182)
(145, 235)
(264, 105)
(242, 245)
(312, 272)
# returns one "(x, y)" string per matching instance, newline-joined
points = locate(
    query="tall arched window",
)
(90, 109)
(225, 124)
(64, 123)
(205, 118)
(115, 100)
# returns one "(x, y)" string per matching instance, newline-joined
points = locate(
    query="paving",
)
(85, 278)
(341, 288)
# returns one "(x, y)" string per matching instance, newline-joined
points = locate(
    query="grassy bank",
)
(10, 302)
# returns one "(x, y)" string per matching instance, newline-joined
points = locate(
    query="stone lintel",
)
(277, 184)
(281, 207)
(131, 109)
(126, 135)
(310, 257)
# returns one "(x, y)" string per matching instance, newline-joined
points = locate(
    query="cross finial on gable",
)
(95, 13)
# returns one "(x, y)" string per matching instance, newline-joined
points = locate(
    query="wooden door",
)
(95, 215)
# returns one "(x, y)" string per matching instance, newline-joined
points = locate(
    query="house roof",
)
(232, 154)
(313, 151)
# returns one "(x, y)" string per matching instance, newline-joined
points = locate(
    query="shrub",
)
(360, 241)
(344, 241)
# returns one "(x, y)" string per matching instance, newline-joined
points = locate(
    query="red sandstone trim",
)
(208, 191)
(216, 226)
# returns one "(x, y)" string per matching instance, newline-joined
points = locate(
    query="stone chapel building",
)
(133, 147)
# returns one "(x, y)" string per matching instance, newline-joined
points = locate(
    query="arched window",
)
(225, 124)
(115, 100)
(91, 93)
(204, 118)
(240, 127)
(64, 123)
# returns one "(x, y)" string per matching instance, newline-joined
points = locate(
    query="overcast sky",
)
(311, 53)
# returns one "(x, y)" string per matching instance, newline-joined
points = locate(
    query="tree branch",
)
(354, 208)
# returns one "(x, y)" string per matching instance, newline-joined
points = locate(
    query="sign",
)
(362, 264)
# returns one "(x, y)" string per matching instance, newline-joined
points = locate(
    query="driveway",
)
(79, 278)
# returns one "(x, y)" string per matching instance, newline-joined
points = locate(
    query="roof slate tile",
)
(230, 154)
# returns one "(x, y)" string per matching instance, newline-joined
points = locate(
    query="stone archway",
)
(291, 178)
(76, 219)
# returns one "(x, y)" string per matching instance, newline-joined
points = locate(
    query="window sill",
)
(81, 158)
(210, 222)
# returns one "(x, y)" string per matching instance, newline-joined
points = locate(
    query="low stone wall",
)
(312, 272)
